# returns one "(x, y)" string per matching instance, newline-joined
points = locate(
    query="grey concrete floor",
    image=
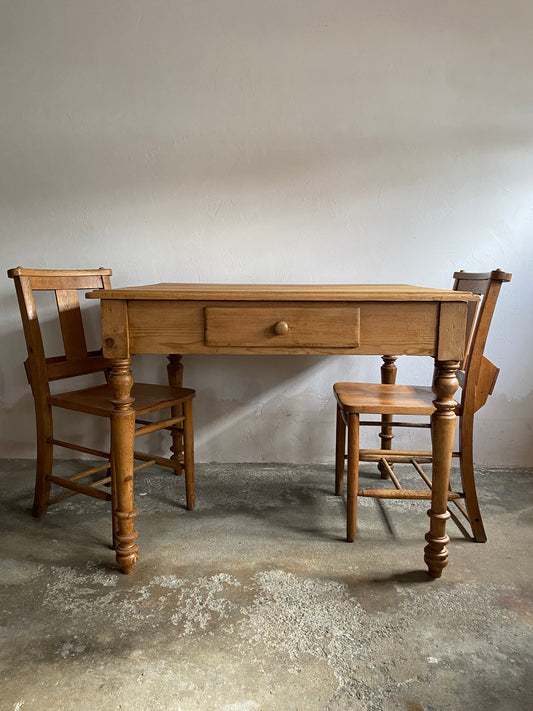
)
(254, 602)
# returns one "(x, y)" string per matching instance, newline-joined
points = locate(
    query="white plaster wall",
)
(281, 141)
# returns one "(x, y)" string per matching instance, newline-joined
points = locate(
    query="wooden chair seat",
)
(97, 400)
(65, 285)
(387, 399)
(384, 399)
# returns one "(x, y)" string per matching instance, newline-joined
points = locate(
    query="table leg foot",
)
(127, 551)
(436, 553)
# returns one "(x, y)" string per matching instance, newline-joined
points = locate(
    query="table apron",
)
(429, 328)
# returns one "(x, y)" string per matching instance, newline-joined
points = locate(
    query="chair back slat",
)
(68, 306)
(479, 374)
(66, 284)
(59, 369)
(477, 284)
(67, 281)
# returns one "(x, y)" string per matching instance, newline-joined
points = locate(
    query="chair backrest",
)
(478, 377)
(77, 360)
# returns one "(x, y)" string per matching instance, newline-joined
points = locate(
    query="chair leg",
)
(340, 450)
(188, 443)
(466, 431)
(45, 457)
(352, 475)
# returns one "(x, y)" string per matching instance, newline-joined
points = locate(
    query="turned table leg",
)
(122, 436)
(442, 431)
(175, 379)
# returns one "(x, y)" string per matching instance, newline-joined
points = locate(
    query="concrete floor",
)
(254, 602)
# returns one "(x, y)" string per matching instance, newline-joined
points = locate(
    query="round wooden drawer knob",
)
(281, 328)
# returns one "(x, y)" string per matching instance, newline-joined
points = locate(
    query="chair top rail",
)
(63, 279)
(496, 274)
(23, 271)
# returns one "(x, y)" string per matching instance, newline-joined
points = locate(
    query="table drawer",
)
(280, 325)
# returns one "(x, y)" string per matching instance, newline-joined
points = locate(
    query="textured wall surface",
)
(272, 142)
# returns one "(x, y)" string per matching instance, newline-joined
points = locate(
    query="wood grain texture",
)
(282, 325)
(175, 326)
(389, 399)
(452, 331)
(116, 336)
(282, 292)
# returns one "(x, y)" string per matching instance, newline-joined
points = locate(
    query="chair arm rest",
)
(488, 374)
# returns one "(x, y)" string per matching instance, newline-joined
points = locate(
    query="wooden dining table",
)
(336, 319)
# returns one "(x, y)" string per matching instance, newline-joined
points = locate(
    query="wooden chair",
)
(96, 400)
(476, 379)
